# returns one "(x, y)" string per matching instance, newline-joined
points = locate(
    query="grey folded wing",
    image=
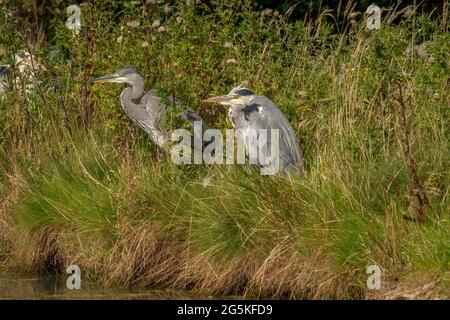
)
(152, 120)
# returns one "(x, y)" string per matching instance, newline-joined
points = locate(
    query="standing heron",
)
(250, 111)
(144, 109)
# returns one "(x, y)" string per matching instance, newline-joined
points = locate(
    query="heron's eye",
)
(260, 109)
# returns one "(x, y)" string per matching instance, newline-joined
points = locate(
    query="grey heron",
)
(250, 111)
(147, 109)
(26, 66)
(5, 75)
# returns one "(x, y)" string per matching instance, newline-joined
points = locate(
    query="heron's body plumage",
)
(249, 113)
(147, 110)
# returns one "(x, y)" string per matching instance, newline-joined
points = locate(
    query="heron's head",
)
(127, 74)
(237, 96)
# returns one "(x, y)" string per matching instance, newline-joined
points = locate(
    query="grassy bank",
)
(81, 184)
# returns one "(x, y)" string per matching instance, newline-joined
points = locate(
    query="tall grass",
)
(81, 184)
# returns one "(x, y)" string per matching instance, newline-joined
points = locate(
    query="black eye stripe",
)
(244, 92)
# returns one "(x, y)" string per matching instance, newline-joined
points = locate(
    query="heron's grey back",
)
(290, 154)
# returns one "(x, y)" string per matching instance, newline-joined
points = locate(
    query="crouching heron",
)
(250, 111)
(147, 109)
(26, 67)
(5, 75)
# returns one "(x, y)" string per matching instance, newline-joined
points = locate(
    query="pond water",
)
(25, 286)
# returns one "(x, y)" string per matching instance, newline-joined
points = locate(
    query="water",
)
(25, 286)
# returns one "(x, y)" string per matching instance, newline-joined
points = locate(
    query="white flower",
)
(303, 93)
(134, 24)
(144, 44)
(232, 61)
(353, 15)
(267, 12)
(167, 8)
(206, 182)
(227, 45)
(119, 39)
(156, 24)
(161, 29)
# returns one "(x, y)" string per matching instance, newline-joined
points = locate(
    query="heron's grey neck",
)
(131, 96)
(137, 88)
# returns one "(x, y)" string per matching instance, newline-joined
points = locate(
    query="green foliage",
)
(74, 190)
(339, 91)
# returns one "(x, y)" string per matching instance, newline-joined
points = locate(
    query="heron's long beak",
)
(113, 77)
(225, 99)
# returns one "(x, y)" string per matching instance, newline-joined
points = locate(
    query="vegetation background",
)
(81, 184)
